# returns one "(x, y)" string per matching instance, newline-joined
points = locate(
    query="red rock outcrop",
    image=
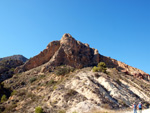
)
(124, 67)
(41, 58)
(67, 51)
(70, 52)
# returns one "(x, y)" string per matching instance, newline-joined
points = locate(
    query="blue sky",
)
(119, 29)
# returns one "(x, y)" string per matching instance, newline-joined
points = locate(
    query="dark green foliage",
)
(52, 82)
(101, 67)
(32, 80)
(14, 92)
(64, 70)
(118, 82)
(61, 111)
(4, 98)
(4, 92)
(102, 64)
(97, 69)
(39, 110)
(7, 68)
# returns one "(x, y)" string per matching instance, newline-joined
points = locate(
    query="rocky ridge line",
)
(70, 52)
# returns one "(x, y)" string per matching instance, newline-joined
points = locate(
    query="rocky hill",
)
(8, 64)
(70, 52)
(61, 79)
(67, 51)
(7, 68)
(15, 57)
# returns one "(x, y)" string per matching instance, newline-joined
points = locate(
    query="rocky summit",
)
(69, 51)
(15, 57)
(70, 77)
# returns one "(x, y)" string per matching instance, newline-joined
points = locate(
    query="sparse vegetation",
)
(106, 106)
(71, 92)
(101, 67)
(55, 87)
(121, 102)
(4, 93)
(14, 92)
(51, 82)
(118, 82)
(63, 70)
(7, 67)
(39, 83)
(4, 98)
(39, 109)
(10, 108)
(33, 79)
(62, 111)
(74, 112)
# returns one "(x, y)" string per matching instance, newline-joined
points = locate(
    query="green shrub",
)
(62, 111)
(51, 82)
(74, 112)
(4, 98)
(102, 64)
(101, 67)
(55, 87)
(104, 70)
(13, 93)
(95, 69)
(12, 70)
(39, 110)
(32, 79)
(42, 76)
(64, 70)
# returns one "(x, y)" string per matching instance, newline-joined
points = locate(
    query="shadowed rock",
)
(69, 51)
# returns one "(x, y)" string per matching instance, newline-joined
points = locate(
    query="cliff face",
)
(124, 67)
(42, 57)
(69, 51)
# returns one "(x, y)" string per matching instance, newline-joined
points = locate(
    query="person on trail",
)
(140, 107)
(134, 106)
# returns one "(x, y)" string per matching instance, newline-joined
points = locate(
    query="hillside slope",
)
(69, 51)
(7, 68)
(15, 57)
(60, 79)
(81, 90)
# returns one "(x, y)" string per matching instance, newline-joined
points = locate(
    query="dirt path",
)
(143, 111)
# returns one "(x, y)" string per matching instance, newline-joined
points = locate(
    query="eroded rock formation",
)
(69, 51)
